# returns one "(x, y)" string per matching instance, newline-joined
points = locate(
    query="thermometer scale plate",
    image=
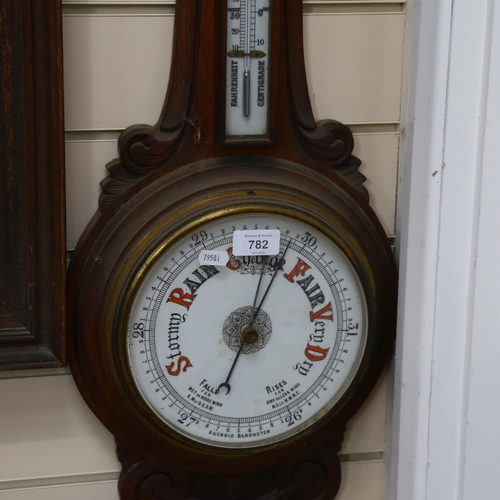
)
(247, 71)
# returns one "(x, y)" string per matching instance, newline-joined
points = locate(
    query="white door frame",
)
(445, 428)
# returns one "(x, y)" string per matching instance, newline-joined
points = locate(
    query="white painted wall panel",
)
(85, 169)
(354, 66)
(361, 481)
(379, 156)
(46, 430)
(366, 431)
(91, 491)
(116, 69)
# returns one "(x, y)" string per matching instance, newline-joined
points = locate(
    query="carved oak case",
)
(180, 176)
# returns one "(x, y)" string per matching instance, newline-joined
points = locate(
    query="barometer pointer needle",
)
(264, 262)
(279, 266)
(226, 383)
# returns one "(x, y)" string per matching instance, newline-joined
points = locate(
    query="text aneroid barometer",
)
(232, 303)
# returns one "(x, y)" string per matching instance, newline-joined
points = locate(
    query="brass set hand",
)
(249, 334)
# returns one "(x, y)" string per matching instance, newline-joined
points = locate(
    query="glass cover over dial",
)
(250, 352)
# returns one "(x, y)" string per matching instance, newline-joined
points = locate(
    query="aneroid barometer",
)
(232, 303)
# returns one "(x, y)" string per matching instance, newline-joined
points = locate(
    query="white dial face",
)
(247, 79)
(297, 320)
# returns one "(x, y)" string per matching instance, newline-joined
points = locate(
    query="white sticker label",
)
(256, 242)
(214, 257)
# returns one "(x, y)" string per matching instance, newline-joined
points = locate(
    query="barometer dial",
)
(250, 352)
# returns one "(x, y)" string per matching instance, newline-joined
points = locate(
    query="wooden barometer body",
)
(232, 303)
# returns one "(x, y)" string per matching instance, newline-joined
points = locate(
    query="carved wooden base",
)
(314, 475)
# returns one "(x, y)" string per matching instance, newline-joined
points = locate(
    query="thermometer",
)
(247, 81)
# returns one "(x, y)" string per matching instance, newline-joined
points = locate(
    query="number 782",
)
(259, 244)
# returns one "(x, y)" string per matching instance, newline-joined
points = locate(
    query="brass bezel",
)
(174, 226)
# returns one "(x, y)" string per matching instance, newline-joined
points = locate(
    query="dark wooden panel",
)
(32, 246)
